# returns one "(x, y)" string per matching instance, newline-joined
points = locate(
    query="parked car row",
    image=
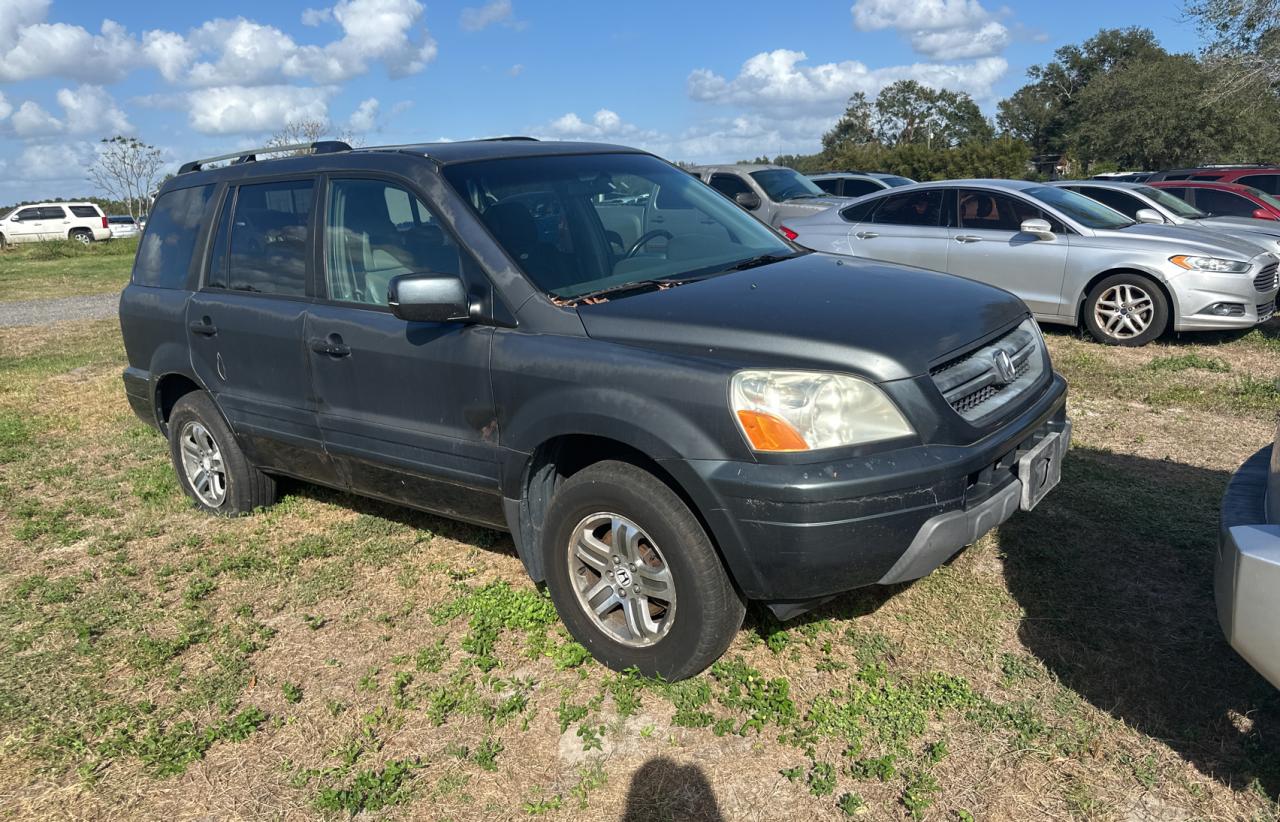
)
(1072, 259)
(82, 222)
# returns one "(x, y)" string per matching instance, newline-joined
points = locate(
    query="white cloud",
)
(31, 120)
(54, 161)
(940, 29)
(475, 18)
(365, 117)
(314, 17)
(5, 108)
(777, 81)
(603, 125)
(401, 106)
(92, 109)
(30, 49)
(238, 109)
(516, 70)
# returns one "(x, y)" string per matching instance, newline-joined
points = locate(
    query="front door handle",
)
(203, 327)
(331, 345)
(866, 235)
(967, 238)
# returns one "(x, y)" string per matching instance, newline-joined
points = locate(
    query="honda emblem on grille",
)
(1004, 366)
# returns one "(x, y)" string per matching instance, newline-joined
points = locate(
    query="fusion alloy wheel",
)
(1124, 311)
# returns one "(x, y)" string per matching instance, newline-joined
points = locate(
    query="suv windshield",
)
(1265, 197)
(786, 184)
(1088, 213)
(584, 223)
(1177, 205)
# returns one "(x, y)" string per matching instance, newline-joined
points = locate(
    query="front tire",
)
(211, 468)
(1126, 309)
(634, 576)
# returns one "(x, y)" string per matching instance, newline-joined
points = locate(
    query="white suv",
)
(54, 221)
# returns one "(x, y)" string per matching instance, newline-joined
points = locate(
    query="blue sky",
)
(691, 81)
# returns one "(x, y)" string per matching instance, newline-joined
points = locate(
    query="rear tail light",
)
(104, 222)
(788, 233)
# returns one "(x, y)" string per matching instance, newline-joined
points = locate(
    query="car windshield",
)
(895, 181)
(1177, 205)
(1088, 213)
(1265, 197)
(120, 220)
(786, 184)
(585, 223)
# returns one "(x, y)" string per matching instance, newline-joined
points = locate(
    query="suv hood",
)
(1184, 240)
(878, 320)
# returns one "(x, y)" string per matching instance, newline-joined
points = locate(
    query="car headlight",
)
(808, 410)
(1215, 264)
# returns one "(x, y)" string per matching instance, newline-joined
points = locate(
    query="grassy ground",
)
(64, 269)
(334, 657)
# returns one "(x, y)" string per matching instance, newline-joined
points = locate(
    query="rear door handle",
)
(332, 345)
(203, 327)
(967, 238)
(866, 235)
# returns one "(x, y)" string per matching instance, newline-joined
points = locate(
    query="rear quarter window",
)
(85, 211)
(164, 258)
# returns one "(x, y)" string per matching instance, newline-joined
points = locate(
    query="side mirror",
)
(1039, 228)
(1149, 215)
(429, 298)
(747, 199)
(15, 219)
(1263, 214)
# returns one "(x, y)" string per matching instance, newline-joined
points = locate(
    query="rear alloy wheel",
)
(211, 468)
(1126, 309)
(634, 576)
(82, 237)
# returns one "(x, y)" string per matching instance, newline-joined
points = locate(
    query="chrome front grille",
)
(1268, 277)
(973, 383)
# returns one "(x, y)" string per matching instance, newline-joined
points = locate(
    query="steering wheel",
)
(644, 238)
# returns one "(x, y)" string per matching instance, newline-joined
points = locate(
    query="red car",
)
(1224, 199)
(1266, 178)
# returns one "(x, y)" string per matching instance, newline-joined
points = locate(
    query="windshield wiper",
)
(763, 259)
(634, 285)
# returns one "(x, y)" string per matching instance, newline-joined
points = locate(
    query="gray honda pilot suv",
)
(670, 408)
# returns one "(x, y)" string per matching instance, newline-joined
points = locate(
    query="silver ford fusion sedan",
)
(1072, 259)
(1148, 204)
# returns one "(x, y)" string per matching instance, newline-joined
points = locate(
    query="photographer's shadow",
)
(1115, 574)
(663, 790)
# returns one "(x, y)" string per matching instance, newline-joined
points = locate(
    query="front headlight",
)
(1214, 264)
(808, 410)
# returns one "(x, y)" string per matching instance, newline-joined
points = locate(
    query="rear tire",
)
(81, 235)
(634, 576)
(211, 468)
(1126, 309)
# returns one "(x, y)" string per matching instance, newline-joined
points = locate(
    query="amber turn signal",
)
(769, 433)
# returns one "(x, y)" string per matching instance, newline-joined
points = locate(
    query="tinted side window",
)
(989, 211)
(268, 250)
(1207, 177)
(84, 211)
(861, 212)
(375, 231)
(165, 254)
(830, 185)
(1269, 183)
(1126, 204)
(217, 276)
(1223, 203)
(729, 185)
(913, 208)
(1180, 193)
(53, 213)
(29, 214)
(856, 188)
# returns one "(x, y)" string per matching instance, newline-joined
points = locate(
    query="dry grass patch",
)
(334, 656)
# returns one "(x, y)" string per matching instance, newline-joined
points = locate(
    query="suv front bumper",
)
(800, 532)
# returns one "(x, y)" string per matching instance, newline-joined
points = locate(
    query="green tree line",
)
(1118, 100)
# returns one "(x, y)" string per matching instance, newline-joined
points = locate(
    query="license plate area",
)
(1040, 469)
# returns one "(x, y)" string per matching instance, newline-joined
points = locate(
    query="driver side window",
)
(375, 231)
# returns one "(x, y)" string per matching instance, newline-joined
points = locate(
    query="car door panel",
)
(406, 408)
(905, 228)
(29, 226)
(988, 246)
(247, 324)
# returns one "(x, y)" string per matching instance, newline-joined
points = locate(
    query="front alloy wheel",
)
(621, 579)
(1126, 309)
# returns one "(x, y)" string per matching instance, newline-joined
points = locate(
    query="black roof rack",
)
(250, 155)
(506, 139)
